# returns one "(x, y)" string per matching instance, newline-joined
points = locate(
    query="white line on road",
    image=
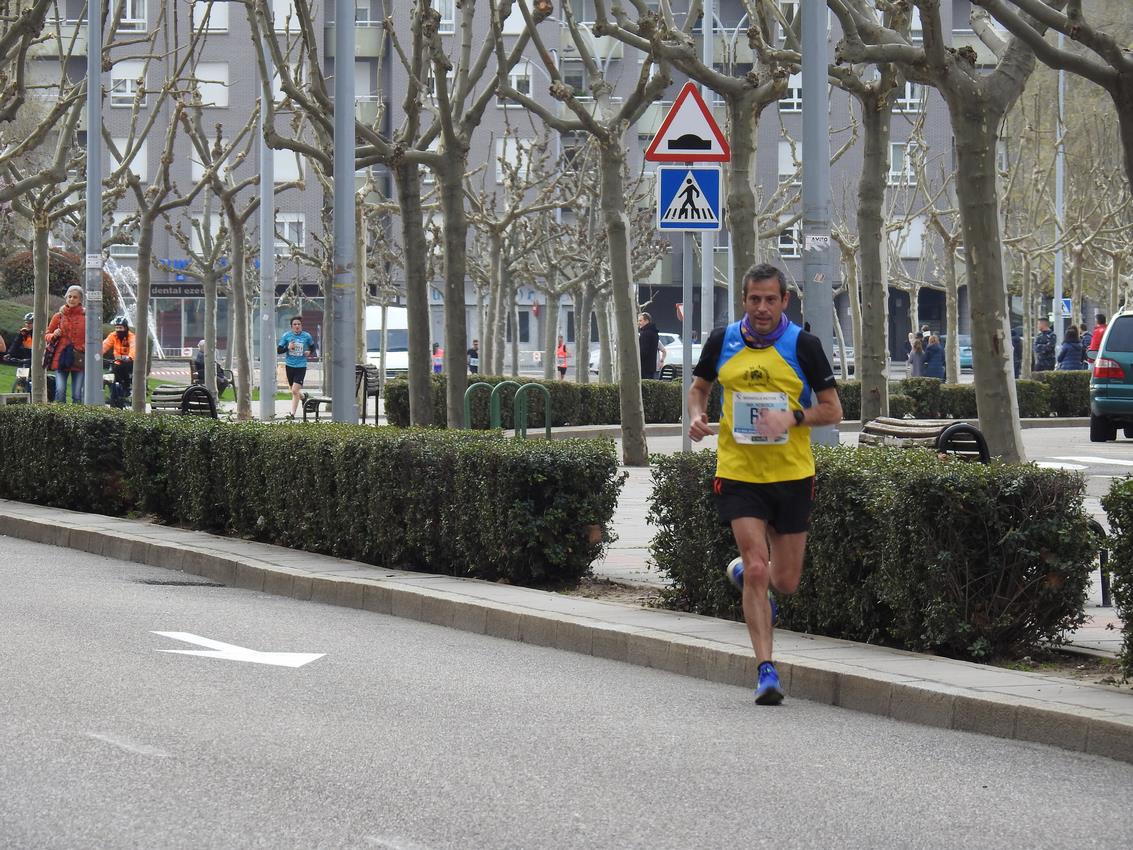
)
(229, 652)
(1054, 464)
(129, 746)
(1102, 460)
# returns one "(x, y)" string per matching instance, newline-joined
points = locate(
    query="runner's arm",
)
(826, 410)
(698, 427)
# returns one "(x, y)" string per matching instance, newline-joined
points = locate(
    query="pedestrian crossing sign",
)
(689, 197)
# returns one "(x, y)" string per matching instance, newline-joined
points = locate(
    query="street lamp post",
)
(344, 404)
(92, 360)
(267, 255)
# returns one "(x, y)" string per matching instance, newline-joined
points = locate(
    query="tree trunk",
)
(141, 314)
(408, 179)
(1028, 317)
(41, 269)
(238, 309)
(871, 348)
(551, 327)
(605, 347)
(360, 282)
(1077, 295)
(742, 227)
(1113, 301)
(635, 450)
(450, 177)
(211, 286)
(497, 313)
(951, 316)
(1122, 95)
(583, 300)
(974, 129)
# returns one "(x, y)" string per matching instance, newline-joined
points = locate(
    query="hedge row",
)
(571, 403)
(1049, 394)
(1118, 504)
(905, 548)
(458, 503)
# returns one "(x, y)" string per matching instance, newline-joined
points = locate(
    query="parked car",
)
(836, 360)
(965, 343)
(671, 342)
(1111, 383)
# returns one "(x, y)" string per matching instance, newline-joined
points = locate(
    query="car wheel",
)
(1101, 429)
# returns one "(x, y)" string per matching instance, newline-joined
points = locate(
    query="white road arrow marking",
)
(228, 652)
(1108, 461)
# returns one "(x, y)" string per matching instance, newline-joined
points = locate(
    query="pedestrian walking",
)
(933, 358)
(561, 358)
(474, 357)
(296, 345)
(438, 356)
(1092, 343)
(1044, 347)
(66, 345)
(1071, 355)
(916, 358)
(777, 384)
(648, 341)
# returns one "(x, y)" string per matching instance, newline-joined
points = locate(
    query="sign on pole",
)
(689, 133)
(688, 197)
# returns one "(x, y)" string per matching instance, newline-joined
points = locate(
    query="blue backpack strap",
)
(733, 343)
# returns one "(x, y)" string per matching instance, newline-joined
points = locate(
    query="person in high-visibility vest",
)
(561, 356)
(438, 358)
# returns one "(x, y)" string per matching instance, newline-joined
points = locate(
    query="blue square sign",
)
(689, 197)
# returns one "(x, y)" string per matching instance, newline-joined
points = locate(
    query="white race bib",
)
(746, 408)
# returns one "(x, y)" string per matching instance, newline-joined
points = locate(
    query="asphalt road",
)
(408, 736)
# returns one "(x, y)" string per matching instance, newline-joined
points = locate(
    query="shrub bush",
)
(850, 394)
(925, 393)
(1118, 504)
(456, 502)
(900, 405)
(64, 269)
(958, 401)
(976, 564)
(1069, 391)
(1033, 399)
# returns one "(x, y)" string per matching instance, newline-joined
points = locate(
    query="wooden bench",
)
(193, 400)
(370, 387)
(942, 435)
(316, 403)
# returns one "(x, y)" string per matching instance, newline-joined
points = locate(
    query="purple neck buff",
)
(754, 339)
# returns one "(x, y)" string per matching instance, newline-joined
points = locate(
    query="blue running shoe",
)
(769, 691)
(735, 573)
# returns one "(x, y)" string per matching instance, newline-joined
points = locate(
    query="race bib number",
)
(746, 410)
(295, 348)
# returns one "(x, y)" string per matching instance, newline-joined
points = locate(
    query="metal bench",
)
(671, 372)
(370, 387)
(942, 435)
(193, 400)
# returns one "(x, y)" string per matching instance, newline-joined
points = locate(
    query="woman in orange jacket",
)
(67, 331)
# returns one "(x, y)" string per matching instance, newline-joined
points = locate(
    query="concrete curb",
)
(904, 686)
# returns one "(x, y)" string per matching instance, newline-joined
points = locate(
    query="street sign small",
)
(689, 197)
(689, 133)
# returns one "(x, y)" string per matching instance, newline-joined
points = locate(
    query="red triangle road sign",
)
(689, 133)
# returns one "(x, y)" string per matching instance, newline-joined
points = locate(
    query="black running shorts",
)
(785, 505)
(295, 374)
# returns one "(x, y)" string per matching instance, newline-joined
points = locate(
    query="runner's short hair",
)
(765, 271)
(298, 319)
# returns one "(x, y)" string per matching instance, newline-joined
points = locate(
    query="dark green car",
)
(1111, 383)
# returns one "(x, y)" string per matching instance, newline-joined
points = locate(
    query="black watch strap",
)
(799, 417)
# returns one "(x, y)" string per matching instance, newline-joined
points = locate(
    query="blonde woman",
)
(67, 331)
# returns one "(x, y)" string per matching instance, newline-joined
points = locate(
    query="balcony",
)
(725, 43)
(603, 48)
(58, 40)
(368, 37)
(366, 108)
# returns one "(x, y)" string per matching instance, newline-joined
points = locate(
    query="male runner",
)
(777, 383)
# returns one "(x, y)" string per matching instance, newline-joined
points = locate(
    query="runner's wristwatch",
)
(799, 417)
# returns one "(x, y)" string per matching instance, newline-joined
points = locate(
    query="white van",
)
(397, 340)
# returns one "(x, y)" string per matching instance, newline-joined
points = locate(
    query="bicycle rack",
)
(519, 406)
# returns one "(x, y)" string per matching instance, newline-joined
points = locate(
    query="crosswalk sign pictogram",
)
(689, 133)
(688, 197)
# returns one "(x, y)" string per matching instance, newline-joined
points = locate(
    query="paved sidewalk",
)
(902, 685)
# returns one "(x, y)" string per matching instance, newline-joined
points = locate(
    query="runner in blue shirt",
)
(295, 345)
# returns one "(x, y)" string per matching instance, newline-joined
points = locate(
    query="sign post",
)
(690, 198)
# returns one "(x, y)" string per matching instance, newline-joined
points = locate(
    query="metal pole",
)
(818, 293)
(343, 308)
(707, 237)
(267, 255)
(92, 361)
(1059, 181)
(686, 338)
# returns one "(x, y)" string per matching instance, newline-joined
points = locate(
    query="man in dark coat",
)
(1044, 347)
(647, 342)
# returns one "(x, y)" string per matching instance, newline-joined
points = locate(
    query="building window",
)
(792, 100)
(139, 165)
(790, 9)
(133, 15)
(118, 229)
(203, 237)
(902, 163)
(211, 79)
(519, 78)
(790, 169)
(916, 28)
(790, 242)
(287, 166)
(197, 166)
(217, 15)
(126, 77)
(524, 326)
(911, 98)
(910, 239)
(290, 229)
(513, 156)
(283, 16)
(447, 8)
(573, 72)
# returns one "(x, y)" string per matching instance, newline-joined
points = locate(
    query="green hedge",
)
(958, 401)
(1118, 504)
(1033, 398)
(905, 548)
(1069, 391)
(571, 403)
(455, 502)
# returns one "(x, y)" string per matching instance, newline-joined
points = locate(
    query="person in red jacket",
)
(1095, 341)
(67, 331)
